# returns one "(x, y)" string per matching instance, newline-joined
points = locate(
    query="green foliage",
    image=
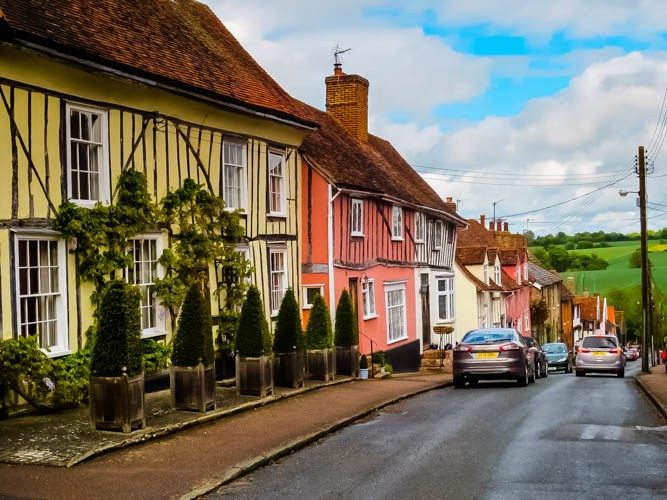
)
(193, 341)
(228, 325)
(636, 259)
(388, 369)
(202, 233)
(118, 343)
(583, 244)
(561, 260)
(363, 362)
(319, 334)
(346, 328)
(253, 338)
(71, 377)
(156, 355)
(102, 233)
(569, 246)
(289, 336)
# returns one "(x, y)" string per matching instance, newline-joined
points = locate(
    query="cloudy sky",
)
(529, 102)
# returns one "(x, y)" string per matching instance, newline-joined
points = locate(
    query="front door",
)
(426, 311)
(354, 296)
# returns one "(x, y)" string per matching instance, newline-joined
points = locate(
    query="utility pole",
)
(494, 214)
(641, 170)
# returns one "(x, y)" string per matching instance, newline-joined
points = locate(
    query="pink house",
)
(372, 225)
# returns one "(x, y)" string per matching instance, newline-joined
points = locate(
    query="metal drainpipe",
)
(332, 292)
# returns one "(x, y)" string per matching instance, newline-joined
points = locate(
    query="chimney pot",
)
(338, 69)
(499, 225)
(506, 227)
(482, 220)
(491, 225)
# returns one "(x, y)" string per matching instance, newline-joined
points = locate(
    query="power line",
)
(517, 183)
(501, 175)
(658, 124)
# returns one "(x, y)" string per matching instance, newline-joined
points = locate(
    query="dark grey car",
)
(493, 353)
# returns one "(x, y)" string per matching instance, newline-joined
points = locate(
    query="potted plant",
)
(363, 368)
(117, 379)
(289, 363)
(320, 362)
(254, 371)
(346, 337)
(192, 377)
(225, 359)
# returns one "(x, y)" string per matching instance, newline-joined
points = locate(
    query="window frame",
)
(368, 289)
(160, 328)
(62, 348)
(450, 298)
(285, 280)
(104, 187)
(304, 298)
(437, 234)
(243, 188)
(486, 273)
(358, 231)
(282, 212)
(496, 274)
(390, 287)
(420, 227)
(396, 223)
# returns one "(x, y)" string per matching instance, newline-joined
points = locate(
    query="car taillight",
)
(583, 349)
(509, 347)
(614, 351)
(463, 348)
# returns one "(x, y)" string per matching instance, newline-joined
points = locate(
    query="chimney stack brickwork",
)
(450, 205)
(347, 102)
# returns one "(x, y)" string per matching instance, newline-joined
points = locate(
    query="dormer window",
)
(496, 273)
(517, 273)
(486, 274)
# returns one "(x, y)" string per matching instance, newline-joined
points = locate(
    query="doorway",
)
(426, 310)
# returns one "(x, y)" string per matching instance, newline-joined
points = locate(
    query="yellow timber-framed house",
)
(89, 87)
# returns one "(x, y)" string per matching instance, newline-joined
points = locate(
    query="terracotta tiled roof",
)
(375, 167)
(508, 257)
(588, 308)
(475, 235)
(493, 253)
(508, 283)
(565, 294)
(471, 255)
(180, 43)
(538, 274)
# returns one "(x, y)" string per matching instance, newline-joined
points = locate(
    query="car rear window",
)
(554, 348)
(599, 343)
(487, 337)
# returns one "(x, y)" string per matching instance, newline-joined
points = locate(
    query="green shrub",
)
(569, 246)
(118, 342)
(193, 341)
(157, 355)
(289, 336)
(228, 324)
(346, 334)
(319, 334)
(253, 338)
(71, 378)
(363, 363)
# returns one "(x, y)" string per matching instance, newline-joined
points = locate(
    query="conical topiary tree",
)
(346, 334)
(319, 332)
(118, 340)
(253, 338)
(194, 336)
(289, 336)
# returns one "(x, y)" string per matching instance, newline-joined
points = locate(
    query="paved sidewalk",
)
(655, 387)
(197, 460)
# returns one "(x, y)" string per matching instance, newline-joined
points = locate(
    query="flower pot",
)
(254, 376)
(117, 403)
(363, 373)
(193, 387)
(320, 364)
(289, 369)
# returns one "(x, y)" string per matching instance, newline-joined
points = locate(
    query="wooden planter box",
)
(117, 403)
(347, 361)
(289, 369)
(254, 376)
(225, 365)
(193, 387)
(320, 364)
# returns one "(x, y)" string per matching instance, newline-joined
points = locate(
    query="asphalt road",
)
(563, 437)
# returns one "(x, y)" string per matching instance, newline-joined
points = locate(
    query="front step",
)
(434, 360)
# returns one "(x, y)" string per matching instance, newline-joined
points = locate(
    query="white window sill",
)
(307, 306)
(442, 321)
(232, 209)
(88, 203)
(396, 238)
(153, 332)
(389, 342)
(277, 215)
(56, 354)
(372, 316)
(437, 249)
(357, 235)
(419, 242)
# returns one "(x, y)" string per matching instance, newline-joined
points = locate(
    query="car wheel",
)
(533, 376)
(580, 373)
(474, 382)
(621, 373)
(459, 381)
(523, 380)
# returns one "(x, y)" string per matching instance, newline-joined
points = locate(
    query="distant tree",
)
(530, 237)
(559, 258)
(542, 255)
(636, 259)
(584, 244)
(569, 246)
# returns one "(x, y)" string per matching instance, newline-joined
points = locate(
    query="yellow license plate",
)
(599, 353)
(486, 355)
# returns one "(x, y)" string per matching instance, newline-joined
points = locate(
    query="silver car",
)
(493, 353)
(601, 354)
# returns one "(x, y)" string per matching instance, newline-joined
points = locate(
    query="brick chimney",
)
(491, 225)
(506, 227)
(482, 220)
(450, 205)
(347, 102)
(499, 225)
